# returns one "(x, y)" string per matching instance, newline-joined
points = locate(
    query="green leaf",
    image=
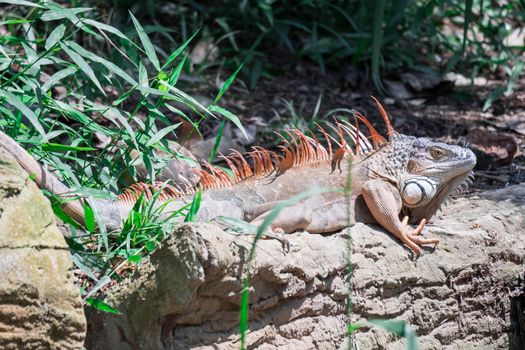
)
(100, 283)
(78, 261)
(109, 65)
(146, 43)
(15, 21)
(113, 113)
(134, 259)
(194, 208)
(57, 147)
(229, 115)
(160, 135)
(57, 12)
(78, 116)
(55, 36)
(377, 42)
(83, 65)
(177, 52)
(493, 96)
(150, 246)
(217, 141)
(227, 84)
(143, 78)
(21, 2)
(245, 303)
(89, 218)
(105, 27)
(352, 327)
(514, 75)
(28, 113)
(175, 74)
(102, 306)
(466, 23)
(55, 78)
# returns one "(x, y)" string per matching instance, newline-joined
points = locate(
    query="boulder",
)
(457, 295)
(40, 308)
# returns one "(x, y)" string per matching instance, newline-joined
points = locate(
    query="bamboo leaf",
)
(227, 84)
(55, 36)
(114, 114)
(175, 74)
(177, 52)
(194, 208)
(83, 65)
(58, 76)
(146, 43)
(57, 12)
(21, 2)
(109, 65)
(57, 147)
(160, 135)
(229, 115)
(26, 111)
(89, 218)
(102, 306)
(105, 27)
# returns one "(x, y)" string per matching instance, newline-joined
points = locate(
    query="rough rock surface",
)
(457, 296)
(40, 308)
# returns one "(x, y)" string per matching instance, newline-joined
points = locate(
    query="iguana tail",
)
(43, 178)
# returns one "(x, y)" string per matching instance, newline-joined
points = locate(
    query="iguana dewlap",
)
(394, 182)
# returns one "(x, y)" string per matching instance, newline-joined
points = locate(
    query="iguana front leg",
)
(384, 202)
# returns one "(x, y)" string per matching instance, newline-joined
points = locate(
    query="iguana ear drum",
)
(418, 189)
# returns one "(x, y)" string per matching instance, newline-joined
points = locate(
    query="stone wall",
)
(40, 308)
(456, 296)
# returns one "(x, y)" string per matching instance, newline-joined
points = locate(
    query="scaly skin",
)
(394, 183)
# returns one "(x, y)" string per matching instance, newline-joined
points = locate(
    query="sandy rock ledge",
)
(457, 296)
(40, 308)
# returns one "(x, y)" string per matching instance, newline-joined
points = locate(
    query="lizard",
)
(396, 181)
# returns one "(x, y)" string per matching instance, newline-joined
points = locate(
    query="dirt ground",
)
(448, 110)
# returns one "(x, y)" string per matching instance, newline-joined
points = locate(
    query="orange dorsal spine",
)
(298, 150)
(389, 129)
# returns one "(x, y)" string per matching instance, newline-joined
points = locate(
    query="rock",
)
(40, 308)
(456, 296)
(204, 51)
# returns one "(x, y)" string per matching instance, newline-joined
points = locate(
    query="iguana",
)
(395, 181)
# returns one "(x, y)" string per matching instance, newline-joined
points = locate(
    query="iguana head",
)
(433, 171)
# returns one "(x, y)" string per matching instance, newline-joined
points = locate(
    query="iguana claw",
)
(412, 240)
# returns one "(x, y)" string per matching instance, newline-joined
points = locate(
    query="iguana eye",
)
(437, 153)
